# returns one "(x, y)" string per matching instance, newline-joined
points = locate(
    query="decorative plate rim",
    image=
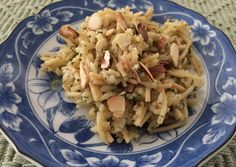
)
(35, 162)
(17, 150)
(200, 163)
(218, 150)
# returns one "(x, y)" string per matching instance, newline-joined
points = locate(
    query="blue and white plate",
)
(45, 127)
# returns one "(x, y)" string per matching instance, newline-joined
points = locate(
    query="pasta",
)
(130, 71)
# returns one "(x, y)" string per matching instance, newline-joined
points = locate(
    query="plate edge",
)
(211, 155)
(26, 18)
(28, 158)
(34, 162)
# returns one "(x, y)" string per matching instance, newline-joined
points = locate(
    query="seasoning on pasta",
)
(130, 71)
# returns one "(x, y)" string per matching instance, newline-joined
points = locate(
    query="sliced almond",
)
(147, 94)
(83, 76)
(164, 105)
(146, 71)
(94, 22)
(68, 32)
(96, 91)
(106, 60)
(174, 53)
(116, 105)
(121, 22)
(136, 75)
(157, 69)
(142, 31)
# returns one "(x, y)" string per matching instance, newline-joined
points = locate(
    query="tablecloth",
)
(221, 13)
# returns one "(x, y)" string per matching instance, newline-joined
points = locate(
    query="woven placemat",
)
(221, 13)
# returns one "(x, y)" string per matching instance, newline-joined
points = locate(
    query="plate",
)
(47, 128)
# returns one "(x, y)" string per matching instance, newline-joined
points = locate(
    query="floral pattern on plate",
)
(9, 98)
